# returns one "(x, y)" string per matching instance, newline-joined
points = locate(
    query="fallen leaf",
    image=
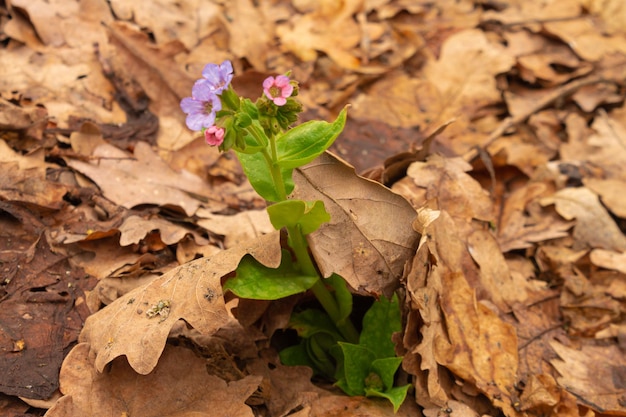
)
(123, 179)
(359, 243)
(447, 180)
(238, 228)
(596, 374)
(523, 222)
(136, 228)
(612, 192)
(480, 347)
(609, 259)
(137, 324)
(594, 226)
(179, 386)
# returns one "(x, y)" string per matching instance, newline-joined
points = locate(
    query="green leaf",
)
(356, 367)
(258, 172)
(386, 368)
(381, 321)
(395, 395)
(296, 355)
(258, 282)
(310, 215)
(312, 321)
(304, 143)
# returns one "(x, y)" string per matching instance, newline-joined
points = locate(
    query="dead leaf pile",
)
(500, 128)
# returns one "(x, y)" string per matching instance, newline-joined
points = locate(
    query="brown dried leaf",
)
(137, 324)
(360, 243)
(595, 374)
(136, 228)
(481, 348)
(446, 179)
(238, 228)
(591, 217)
(459, 333)
(179, 386)
(522, 223)
(143, 179)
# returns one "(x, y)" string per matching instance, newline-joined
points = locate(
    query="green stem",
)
(276, 176)
(300, 247)
(325, 297)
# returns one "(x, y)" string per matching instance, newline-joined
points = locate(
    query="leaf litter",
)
(499, 127)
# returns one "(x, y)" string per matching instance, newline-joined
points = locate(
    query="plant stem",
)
(325, 297)
(276, 175)
(300, 247)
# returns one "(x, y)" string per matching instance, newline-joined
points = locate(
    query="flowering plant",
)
(269, 149)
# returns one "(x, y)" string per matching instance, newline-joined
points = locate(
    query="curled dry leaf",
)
(124, 179)
(459, 333)
(359, 243)
(179, 386)
(583, 205)
(137, 324)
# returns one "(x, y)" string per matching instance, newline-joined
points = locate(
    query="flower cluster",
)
(213, 100)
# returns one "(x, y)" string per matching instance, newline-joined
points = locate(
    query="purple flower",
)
(277, 89)
(218, 77)
(201, 106)
(214, 136)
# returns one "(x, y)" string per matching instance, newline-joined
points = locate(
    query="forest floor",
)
(500, 124)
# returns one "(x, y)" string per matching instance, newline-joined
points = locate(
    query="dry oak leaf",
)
(179, 386)
(143, 178)
(594, 226)
(333, 31)
(594, 374)
(137, 324)
(609, 259)
(446, 179)
(369, 238)
(238, 228)
(480, 347)
(612, 192)
(135, 228)
(522, 222)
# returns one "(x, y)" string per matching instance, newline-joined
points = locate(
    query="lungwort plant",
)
(262, 135)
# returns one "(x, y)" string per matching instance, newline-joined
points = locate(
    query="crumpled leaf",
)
(179, 386)
(459, 333)
(583, 205)
(359, 243)
(595, 374)
(144, 179)
(137, 324)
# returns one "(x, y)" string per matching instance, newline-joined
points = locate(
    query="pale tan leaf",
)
(360, 243)
(137, 324)
(609, 259)
(594, 226)
(612, 192)
(237, 228)
(594, 374)
(135, 228)
(143, 179)
(447, 180)
(179, 386)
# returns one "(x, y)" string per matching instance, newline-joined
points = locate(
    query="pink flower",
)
(214, 135)
(277, 89)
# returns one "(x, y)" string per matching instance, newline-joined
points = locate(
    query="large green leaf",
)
(356, 368)
(258, 172)
(381, 321)
(304, 143)
(309, 215)
(258, 282)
